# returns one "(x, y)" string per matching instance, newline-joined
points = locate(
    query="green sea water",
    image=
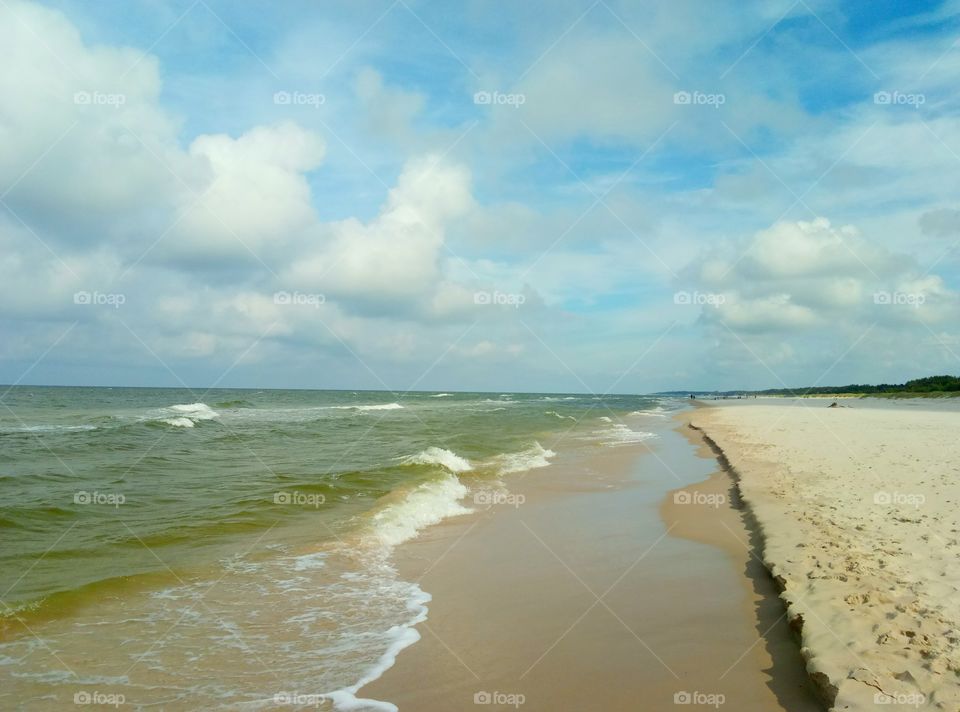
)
(149, 519)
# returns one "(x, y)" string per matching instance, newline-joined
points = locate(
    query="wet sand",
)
(584, 597)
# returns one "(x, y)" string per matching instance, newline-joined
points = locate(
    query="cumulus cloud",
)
(398, 254)
(256, 193)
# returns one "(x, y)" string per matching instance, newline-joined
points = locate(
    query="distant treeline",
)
(930, 384)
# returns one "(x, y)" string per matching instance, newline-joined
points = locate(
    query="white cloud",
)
(398, 254)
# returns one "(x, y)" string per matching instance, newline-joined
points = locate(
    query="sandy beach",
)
(856, 507)
(601, 591)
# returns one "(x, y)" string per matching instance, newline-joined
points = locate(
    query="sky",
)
(575, 196)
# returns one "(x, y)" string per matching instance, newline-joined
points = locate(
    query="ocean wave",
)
(563, 417)
(606, 419)
(234, 404)
(655, 412)
(364, 408)
(430, 503)
(620, 434)
(186, 415)
(48, 428)
(530, 459)
(441, 395)
(438, 456)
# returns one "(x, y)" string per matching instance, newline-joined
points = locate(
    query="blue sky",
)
(589, 229)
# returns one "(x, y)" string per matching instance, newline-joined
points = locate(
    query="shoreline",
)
(734, 529)
(580, 598)
(867, 583)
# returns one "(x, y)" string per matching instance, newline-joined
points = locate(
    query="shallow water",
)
(233, 547)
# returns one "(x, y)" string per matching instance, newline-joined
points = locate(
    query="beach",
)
(856, 509)
(604, 589)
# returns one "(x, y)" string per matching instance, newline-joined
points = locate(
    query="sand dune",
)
(858, 508)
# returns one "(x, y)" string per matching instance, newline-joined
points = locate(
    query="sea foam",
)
(446, 459)
(529, 459)
(430, 503)
(186, 415)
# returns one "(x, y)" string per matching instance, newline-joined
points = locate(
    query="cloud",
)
(256, 194)
(942, 222)
(397, 255)
(817, 288)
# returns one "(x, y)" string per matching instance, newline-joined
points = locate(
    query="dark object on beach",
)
(692, 396)
(833, 405)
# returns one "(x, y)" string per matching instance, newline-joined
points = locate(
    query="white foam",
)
(48, 428)
(402, 636)
(656, 412)
(563, 417)
(195, 411)
(308, 562)
(428, 504)
(529, 459)
(620, 434)
(438, 456)
(186, 415)
(441, 395)
(365, 408)
(605, 419)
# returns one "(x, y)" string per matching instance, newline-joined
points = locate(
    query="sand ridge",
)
(858, 512)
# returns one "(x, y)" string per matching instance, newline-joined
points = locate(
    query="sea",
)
(233, 549)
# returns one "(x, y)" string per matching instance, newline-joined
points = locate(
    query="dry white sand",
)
(858, 509)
